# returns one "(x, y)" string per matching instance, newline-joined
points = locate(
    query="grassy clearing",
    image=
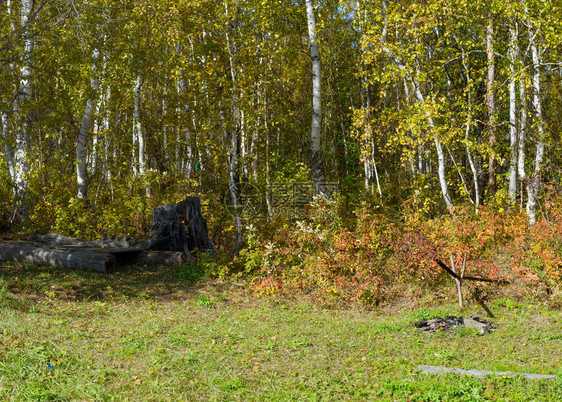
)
(164, 335)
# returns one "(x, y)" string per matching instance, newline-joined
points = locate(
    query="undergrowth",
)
(365, 260)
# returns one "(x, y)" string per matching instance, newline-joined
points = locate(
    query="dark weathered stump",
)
(168, 232)
(179, 227)
(189, 211)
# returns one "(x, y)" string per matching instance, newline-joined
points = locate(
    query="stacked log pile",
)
(178, 232)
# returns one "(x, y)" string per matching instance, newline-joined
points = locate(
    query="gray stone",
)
(482, 373)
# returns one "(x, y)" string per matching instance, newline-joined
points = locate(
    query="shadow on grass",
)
(31, 282)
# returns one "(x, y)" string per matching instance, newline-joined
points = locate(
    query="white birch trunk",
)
(369, 163)
(140, 134)
(85, 127)
(93, 156)
(138, 124)
(368, 174)
(491, 104)
(7, 149)
(165, 122)
(23, 129)
(136, 112)
(188, 153)
(438, 146)
(374, 167)
(267, 169)
(101, 105)
(512, 114)
(522, 132)
(254, 147)
(316, 125)
(135, 145)
(233, 162)
(439, 149)
(243, 141)
(4, 115)
(467, 133)
(535, 180)
(182, 114)
(108, 145)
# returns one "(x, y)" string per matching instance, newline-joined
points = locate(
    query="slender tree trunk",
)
(522, 132)
(316, 125)
(140, 134)
(7, 149)
(267, 152)
(134, 158)
(183, 113)
(164, 111)
(85, 127)
(233, 132)
(138, 124)
(439, 149)
(420, 98)
(23, 128)
(512, 114)
(243, 142)
(4, 118)
(94, 153)
(108, 143)
(255, 139)
(165, 123)
(491, 104)
(369, 162)
(465, 64)
(535, 180)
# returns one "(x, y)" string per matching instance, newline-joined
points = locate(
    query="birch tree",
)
(23, 125)
(234, 126)
(491, 104)
(513, 136)
(316, 125)
(85, 127)
(535, 179)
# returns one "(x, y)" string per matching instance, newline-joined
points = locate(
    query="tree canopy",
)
(110, 107)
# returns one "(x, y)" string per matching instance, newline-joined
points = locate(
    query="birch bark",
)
(23, 129)
(7, 149)
(534, 180)
(233, 133)
(467, 131)
(491, 104)
(316, 125)
(4, 118)
(512, 114)
(85, 127)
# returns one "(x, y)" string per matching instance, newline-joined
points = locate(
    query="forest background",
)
(438, 120)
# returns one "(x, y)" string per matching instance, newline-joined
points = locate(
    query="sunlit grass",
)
(152, 335)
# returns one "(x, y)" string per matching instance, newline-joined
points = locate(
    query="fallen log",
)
(60, 240)
(152, 258)
(75, 258)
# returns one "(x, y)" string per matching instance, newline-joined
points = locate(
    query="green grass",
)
(143, 335)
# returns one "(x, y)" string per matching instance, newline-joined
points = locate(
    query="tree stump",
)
(180, 227)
